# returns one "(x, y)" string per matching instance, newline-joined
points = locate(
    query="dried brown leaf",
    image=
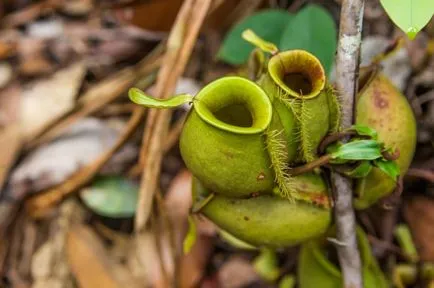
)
(6, 74)
(10, 146)
(90, 263)
(39, 205)
(79, 146)
(96, 98)
(46, 100)
(177, 204)
(9, 104)
(49, 267)
(144, 261)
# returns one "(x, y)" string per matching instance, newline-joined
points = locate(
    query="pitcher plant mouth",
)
(298, 73)
(234, 104)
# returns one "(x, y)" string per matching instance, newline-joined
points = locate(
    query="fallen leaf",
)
(42, 262)
(10, 141)
(419, 214)
(39, 205)
(144, 261)
(47, 29)
(151, 15)
(32, 57)
(36, 66)
(192, 265)
(94, 99)
(90, 263)
(45, 100)
(77, 8)
(51, 164)
(49, 267)
(6, 74)
(9, 104)
(178, 202)
(111, 196)
(7, 50)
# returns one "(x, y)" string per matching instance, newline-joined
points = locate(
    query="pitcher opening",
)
(234, 104)
(298, 73)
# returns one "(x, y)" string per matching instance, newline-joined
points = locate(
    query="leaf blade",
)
(358, 150)
(267, 24)
(410, 17)
(314, 30)
(388, 167)
(363, 130)
(111, 196)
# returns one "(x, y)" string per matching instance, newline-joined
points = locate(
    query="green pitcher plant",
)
(244, 141)
(268, 220)
(382, 107)
(239, 148)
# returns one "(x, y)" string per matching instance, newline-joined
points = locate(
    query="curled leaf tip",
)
(411, 33)
(141, 98)
(254, 39)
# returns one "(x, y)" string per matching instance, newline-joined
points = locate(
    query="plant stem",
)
(323, 160)
(332, 138)
(347, 65)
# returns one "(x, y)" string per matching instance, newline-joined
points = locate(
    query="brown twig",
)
(347, 65)
(332, 138)
(425, 174)
(179, 47)
(389, 247)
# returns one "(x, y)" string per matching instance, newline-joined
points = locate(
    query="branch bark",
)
(347, 65)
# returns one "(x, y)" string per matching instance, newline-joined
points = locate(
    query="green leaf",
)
(112, 196)
(363, 130)
(314, 30)
(388, 167)
(358, 150)
(267, 24)
(191, 236)
(360, 171)
(288, 281)
(409, 15)
(141, 98)
(266, 265)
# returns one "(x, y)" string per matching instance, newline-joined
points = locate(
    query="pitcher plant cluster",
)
(261, 149)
